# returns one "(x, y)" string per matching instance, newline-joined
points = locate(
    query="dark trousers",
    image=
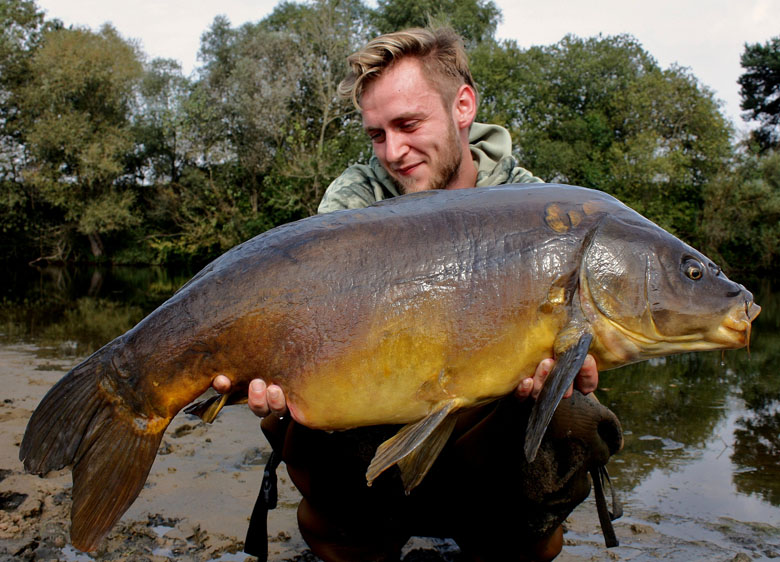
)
(481, 492)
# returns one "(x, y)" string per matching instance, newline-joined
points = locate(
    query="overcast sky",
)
(705, 35)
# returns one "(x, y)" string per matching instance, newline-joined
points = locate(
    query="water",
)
(702, 445)
(72, 312)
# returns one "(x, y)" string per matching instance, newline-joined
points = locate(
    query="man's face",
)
(413, 134)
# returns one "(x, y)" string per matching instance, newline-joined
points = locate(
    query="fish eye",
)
(693, 269)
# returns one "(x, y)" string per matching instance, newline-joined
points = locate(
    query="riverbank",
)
(201, 489)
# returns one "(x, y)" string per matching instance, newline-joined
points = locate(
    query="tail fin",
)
(81, 422)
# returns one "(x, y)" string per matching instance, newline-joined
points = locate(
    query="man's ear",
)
(464, 107)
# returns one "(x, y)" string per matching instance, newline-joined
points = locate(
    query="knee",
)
(486, 550)
(336, 539)
(549, 547)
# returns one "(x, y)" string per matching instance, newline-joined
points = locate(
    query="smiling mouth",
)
(406, 170)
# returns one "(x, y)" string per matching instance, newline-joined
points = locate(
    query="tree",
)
(77, 110)
(269, 131)
(21, 32)
(599, 112)
(21, 216)
(474, 20)
(760, 90)
(741, 215)
(324, 133)
(235, 120)
(674, 143)
(160, 122)
(243, 98)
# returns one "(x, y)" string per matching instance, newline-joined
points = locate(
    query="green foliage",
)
(241, 104)
(77, 108)
(160, 129)
(108, 157)
(209, 216)
(741, 217)
(21, 32)
(323, 134)
(673, 142)
(21, 215)
(760, 90)
(599, 112)
(474, 20)
(261, 131)
(20, 222)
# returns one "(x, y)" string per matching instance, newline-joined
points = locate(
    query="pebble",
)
(638, 529)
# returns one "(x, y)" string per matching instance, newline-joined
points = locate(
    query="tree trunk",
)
(96, 244)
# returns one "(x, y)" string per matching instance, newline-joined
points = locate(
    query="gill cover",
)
(654, 288)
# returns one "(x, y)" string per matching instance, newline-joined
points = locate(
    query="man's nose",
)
(395, 147)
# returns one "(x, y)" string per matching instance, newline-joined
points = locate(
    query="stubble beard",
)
(444, 172)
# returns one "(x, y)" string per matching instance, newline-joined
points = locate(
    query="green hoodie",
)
(491, 148)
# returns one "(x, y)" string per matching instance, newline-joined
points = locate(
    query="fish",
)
(406, 312)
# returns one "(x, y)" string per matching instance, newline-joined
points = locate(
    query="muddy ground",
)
(201, 489)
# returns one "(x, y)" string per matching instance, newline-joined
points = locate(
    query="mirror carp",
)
(404, 312)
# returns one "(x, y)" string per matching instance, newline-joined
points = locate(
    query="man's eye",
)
(408, 125)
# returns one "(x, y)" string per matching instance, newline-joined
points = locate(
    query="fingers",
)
(258, 402)
(533, 386)
(221, 384)
(276, 400)
(586, 382)
(524, 389)
(588, 378)
(540, 376)
(264, 400)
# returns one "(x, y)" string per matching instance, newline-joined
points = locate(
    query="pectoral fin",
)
(415, 447)
(567, 365)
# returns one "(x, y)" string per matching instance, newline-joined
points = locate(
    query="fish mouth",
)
(737, 325)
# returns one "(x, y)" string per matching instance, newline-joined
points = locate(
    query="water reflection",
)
(699, 411)
(74, 311)
(757, 455)
(668, 409)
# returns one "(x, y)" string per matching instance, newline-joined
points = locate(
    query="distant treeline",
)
(107, 156)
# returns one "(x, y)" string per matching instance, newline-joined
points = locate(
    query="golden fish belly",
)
(405, 375)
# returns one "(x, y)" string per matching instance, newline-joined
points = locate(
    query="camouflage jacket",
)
(491, 148)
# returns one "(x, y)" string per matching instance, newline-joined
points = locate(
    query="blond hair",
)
(440, 51)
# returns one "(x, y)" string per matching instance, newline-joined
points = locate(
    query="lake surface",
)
(702, 431)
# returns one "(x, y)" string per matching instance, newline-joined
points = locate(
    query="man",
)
(418, 102)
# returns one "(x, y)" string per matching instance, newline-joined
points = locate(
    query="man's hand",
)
(264, 400)
(586, 382)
